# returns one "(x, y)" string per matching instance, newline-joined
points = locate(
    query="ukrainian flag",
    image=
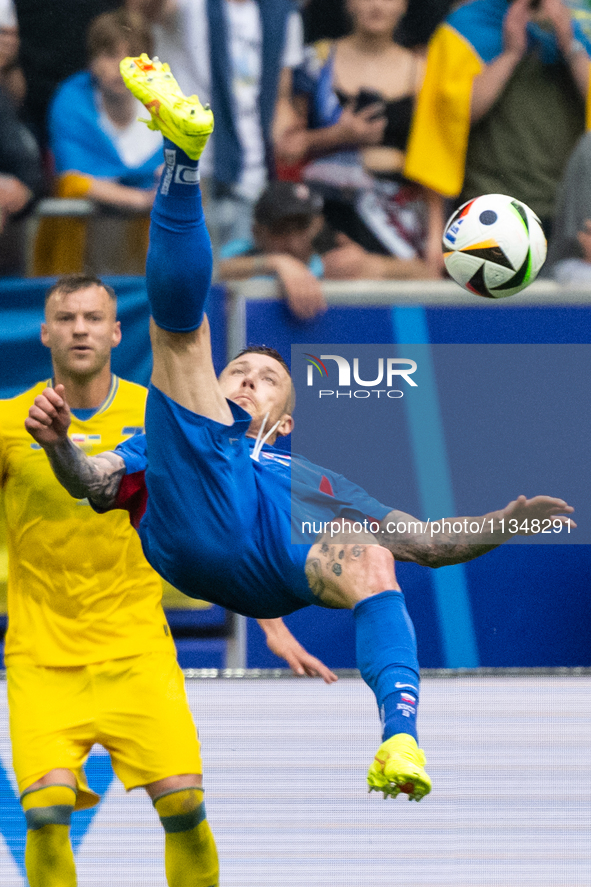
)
(469, 39)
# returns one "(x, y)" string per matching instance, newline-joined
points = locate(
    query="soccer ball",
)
(494, 246)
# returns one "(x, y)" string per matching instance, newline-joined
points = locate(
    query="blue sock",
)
(386, 650)
(179, 261)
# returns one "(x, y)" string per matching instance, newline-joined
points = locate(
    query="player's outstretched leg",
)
(179, 263)
(362, 576)
(387, 659)
(191, 858)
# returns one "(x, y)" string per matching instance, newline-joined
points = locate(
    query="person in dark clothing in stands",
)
(355, 98)
(292, 242)
(21, 180)
(327, 19)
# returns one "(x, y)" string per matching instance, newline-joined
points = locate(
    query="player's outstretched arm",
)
(92, 477)
(281, 642)
(455, 540)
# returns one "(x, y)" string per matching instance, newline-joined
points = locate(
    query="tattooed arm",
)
(455, 540)
(87, 477)
(92, 477)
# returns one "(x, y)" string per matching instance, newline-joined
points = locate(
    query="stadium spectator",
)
(103, 152)
(287, 222)
(291, 241)
(238, 55)
(100, 149)
(20, 166)
(21, 180)
(89, 654)
(11, 75)
(569, 250)
(52, 47)
(355, 98)
(21, 177)
(421, 19)
(327, 19)
(503, 103)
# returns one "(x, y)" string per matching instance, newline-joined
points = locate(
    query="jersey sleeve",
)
(134, 453)
(356, 496)
(132, 495)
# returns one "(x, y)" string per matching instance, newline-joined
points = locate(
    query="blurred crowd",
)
(346, 131)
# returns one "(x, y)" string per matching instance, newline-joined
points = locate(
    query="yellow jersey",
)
(79, 588)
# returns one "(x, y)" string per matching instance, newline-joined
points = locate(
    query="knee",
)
(379, 558)
(380, 574)
(50, 805)
(181, 810)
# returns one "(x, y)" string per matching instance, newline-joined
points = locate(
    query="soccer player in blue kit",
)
(210, 496)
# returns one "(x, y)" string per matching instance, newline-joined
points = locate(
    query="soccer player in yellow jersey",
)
(89, 654)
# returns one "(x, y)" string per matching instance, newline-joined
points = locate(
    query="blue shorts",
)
(217, 524)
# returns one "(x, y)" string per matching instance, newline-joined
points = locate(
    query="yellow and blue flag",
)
(469, 39)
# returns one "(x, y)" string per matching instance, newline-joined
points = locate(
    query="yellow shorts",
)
(135, 707)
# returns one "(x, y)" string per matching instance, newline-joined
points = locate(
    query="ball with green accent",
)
(494, 246)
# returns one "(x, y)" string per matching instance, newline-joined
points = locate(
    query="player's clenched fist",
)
(49, 417)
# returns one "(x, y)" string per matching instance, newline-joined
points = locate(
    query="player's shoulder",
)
(15, 409)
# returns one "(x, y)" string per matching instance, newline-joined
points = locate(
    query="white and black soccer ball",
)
(494, 246)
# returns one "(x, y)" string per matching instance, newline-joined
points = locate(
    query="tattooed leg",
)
(341, 572)
(360, 574)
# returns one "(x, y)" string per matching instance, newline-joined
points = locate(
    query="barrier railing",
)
(52, 208)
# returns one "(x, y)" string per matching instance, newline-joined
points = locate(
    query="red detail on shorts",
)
(133, 496)
(326, 486)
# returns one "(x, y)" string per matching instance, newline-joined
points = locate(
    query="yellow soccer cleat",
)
(399, 767)
(182, 120)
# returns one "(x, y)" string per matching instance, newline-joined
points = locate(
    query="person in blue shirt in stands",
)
(292, 242)
(211, 498)
(101, 152)
(100, 149)
(287, 221)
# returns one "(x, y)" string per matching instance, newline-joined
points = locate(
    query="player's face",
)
(260, 385)
(81, 329)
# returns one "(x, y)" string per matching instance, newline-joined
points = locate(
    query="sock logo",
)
(398, 685)
(186, 175)
(406, 697)
(170, 160)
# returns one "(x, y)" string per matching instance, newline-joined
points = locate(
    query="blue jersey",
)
(222, 522)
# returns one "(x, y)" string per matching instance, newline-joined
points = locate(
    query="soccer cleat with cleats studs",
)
(183, 120)
(398, 767)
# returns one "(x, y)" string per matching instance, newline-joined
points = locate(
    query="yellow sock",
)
(190, 853)
(49, 859)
